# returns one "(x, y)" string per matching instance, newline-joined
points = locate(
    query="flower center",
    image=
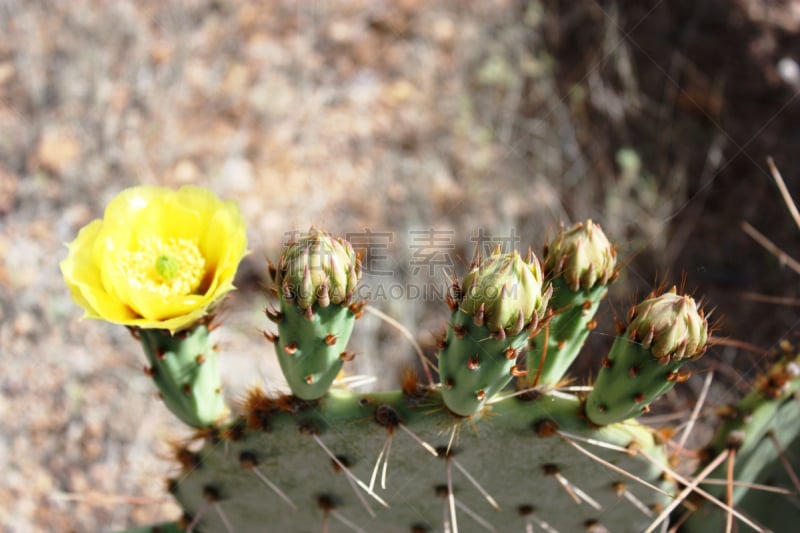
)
(167, 267)
(170, 267)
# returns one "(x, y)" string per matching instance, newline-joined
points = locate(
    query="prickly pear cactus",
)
(400, 462)
(486, 448)
(460, 454)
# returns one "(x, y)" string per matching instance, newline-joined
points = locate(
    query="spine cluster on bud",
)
(315, 280)
(671, 326)
(499, 303)
(581, 262)
(582, 257)
(317, 269)
(663, 333)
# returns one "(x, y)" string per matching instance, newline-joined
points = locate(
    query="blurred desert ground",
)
(654, 118)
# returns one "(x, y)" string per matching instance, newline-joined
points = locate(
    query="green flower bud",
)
(582, 256)
(671, 326)
(318, 268)
(506, 292)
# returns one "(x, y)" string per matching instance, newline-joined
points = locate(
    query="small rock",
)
(24, 323)
(237, 174)
(341, 31)
(444, 30)
(8, 189)
(185, 172)
(57, 150)
(399, 92)
(7, 71)
(789, 71)
(161, 52)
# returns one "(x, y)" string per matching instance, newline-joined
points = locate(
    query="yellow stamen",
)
(168, 267)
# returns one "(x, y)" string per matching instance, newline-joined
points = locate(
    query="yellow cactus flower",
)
(159, 259)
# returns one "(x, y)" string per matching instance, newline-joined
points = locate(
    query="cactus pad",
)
(311, 351)
(498, 468)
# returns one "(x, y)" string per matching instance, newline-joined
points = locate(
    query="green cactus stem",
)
(500, 302)
(664, 332)
(184, 368)
(316, 278)
(311, 351)
(517, 458)
(581, 263)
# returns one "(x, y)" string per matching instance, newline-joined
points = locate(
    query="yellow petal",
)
(154, 307)
(76, 257)
(84, 280)
(200, 200)
(124, 207)
(221, 237)
(166, 217)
